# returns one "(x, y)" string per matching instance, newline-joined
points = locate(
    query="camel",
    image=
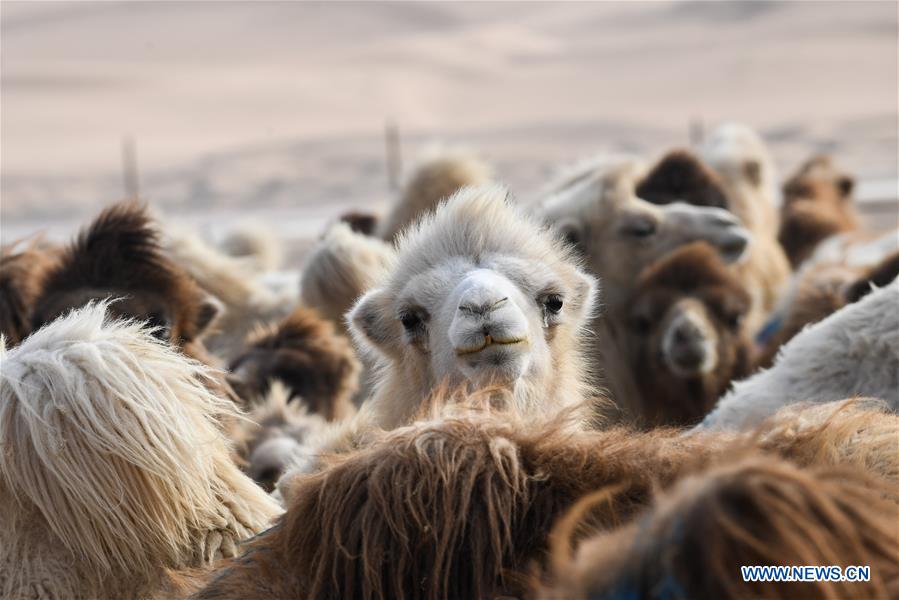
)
(749, 511)
(817, 291)
(255, 244)
(119, 256)
(480, 294)
(273, 435)
(340, 268)
(746, 171)
(593, 205)
(115, 469)
(817, 204)
(682, 176)
(460, 504)
(853, 352)
(361, 222)
(233, 281)
(686, 335)
(679, 176)
(304, 352)
(432, 182)
(23, 269)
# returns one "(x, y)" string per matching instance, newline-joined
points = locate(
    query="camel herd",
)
(627, 384)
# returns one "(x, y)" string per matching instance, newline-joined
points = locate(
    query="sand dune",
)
(279, 107)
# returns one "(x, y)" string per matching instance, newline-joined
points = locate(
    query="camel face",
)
(619, 234)
(687, 339)
(479, 295)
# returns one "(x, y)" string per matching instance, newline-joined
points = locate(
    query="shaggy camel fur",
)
(817, 204)
(272, 436)
(753, 511)
(361, 222)
(593, 205)
(746, 171)
(820, 290)
(460, 505)
(341, 267)
(852, 352)
(119, 256)
(432, 182)
(115, 468)
(248, 304)
(316, 364)
(23, 272)
(687, 341)
(680, 177)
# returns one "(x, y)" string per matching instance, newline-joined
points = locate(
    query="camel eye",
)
(412, 320)
(734, 320)
(640, 228)
(553, 304)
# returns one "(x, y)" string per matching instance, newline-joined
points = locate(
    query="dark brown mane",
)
(680, 176)
(22, 275)
(120, 252)
(307, 354)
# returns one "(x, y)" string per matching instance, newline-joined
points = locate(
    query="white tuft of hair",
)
(853, 352)
(114, 466)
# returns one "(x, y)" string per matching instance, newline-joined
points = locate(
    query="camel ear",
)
(370, 318)
(572, 232)
(210, 310)
(586, 295)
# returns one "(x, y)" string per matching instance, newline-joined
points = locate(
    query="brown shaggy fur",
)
(22, 276)
(817, 203)
(821, 291)
(361, 222)
(755, 511)
(680, 176)
(459, 506)
(693, 281)
(304, 352)
(119, 256)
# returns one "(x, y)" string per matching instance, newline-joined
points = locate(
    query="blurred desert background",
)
(275, 112)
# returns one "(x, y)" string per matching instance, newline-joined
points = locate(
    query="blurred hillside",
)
(279, 108)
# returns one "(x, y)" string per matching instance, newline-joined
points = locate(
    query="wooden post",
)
(394, 165)
(129, 168)
(696, 131)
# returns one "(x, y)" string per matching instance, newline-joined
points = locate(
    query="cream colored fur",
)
(114, 465)
(437, 178)
(233, 281)
(255, 244)
(747, 172)
(341, 267)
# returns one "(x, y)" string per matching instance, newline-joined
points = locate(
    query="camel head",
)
(118, 256)
(480, 294)
(620, 234)
(687, 336)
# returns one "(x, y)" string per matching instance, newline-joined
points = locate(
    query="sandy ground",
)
(276, 111)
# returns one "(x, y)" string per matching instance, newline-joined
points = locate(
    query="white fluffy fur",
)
(341, 267)
(853, 352)
(247, 302)
(114, 465)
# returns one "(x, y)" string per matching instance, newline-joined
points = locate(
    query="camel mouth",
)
(489, 342)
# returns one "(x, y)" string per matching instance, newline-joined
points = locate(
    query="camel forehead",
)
(476, 225)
